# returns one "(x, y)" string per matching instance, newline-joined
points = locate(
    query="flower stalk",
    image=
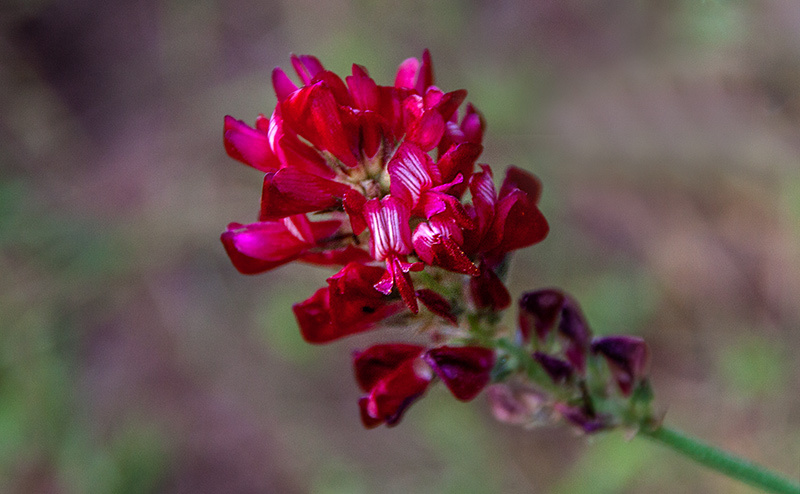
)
(721, 461)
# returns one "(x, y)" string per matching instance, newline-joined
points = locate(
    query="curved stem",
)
(723, 462)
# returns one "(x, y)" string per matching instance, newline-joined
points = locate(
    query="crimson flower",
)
(395, 375)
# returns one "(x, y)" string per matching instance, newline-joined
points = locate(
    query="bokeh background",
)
(134, 359)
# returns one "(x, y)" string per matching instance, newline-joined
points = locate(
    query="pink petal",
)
(306, 66)
(464, 370)
(407, 73)
(282, 84)
(248, 145)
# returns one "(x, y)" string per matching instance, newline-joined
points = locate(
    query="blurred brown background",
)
(134, 359)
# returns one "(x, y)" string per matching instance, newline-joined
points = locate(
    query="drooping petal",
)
(464, 370)
(273, 242)
(354, 203)
(248, 145)
(517, 178)
(392, 395)
(378, 361)
(289, 191)
(354, 298)
(437, 305)
(488, 290)
(518, 221)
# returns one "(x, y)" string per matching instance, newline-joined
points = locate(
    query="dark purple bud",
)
(573, 327)
(589, 423)
(558, 370)
(538, 311)
(464, 370)
(627, 357)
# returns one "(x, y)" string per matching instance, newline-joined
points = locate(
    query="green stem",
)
(723, 462)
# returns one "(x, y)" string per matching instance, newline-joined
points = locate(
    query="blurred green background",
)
(134, 359)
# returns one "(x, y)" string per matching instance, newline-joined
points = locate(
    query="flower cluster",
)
(390, 176)
(360, 158)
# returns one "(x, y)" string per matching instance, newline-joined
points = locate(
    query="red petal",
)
(518, 222)
(393, 394)
(517, 178)
(464, 370)
(313, 113)
(354, 203)
(459, 159)
(378, 361)
(289, 191)
(248, 145)
(488, 291)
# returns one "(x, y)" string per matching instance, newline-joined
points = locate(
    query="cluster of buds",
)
(594, 383)
(385, 172)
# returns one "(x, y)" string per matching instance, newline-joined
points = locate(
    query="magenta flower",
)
(265, 245)
(393, 376)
